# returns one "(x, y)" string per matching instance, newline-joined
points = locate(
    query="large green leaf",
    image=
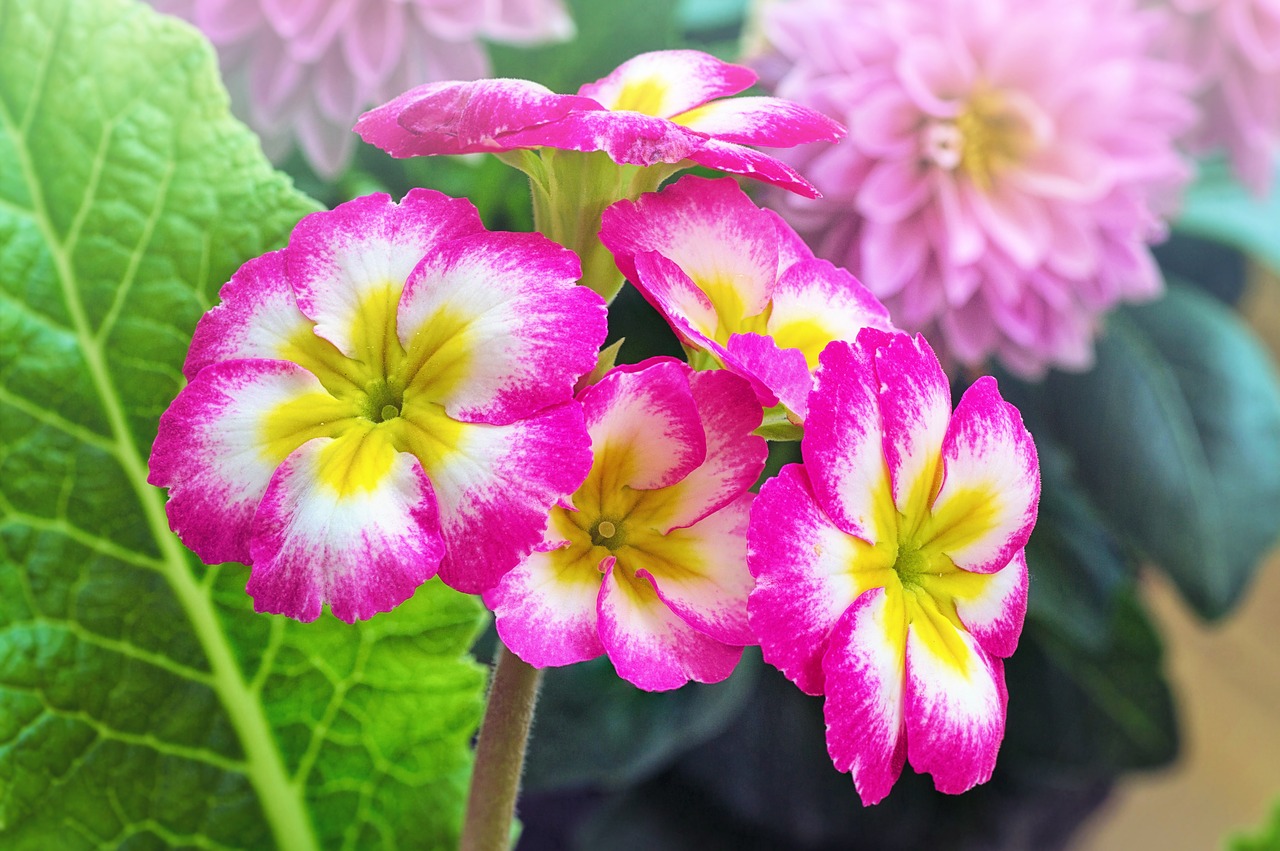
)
(142, 703)
(1176, 436)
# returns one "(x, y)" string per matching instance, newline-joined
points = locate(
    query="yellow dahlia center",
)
(989, 135)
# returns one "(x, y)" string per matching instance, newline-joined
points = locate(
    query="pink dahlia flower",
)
(649, 565)
(890, 568)
(388, 397)
(1006, 168)
(1233, 47)
(300, 71)
(737, 285)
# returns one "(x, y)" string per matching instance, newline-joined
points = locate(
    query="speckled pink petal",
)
(496, 328)
(989, 464)
(801, 564)
(768, 121)
(668, 82)
(545, 607)
(844, 441)
(464, 118)
(645, 428)
(954, 706)
(338, 259)
(865, 668)
(213, 449)
(360, 547)
(650, 646)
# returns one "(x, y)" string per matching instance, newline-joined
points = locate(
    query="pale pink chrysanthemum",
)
(301, 71)
(1007, 162)
(1233, 47)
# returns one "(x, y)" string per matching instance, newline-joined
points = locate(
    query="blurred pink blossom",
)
(1233, 47)
(301, 71)
(1008, 161)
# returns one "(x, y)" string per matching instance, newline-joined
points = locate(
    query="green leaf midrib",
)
(281, 799)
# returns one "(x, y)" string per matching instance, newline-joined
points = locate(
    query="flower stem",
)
(504, 732)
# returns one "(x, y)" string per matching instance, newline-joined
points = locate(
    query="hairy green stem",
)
(495, 784)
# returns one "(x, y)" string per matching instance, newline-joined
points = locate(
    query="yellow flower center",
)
(385, 399)
(989, 135)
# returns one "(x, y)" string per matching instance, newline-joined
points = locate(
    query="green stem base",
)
(495, 784)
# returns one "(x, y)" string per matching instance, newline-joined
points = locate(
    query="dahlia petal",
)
(844, 441)
(645, 429)
(954, 705)
(291, 17)
(225, 21)
(1016, 222)
(453, 22)
(774, 122)
(463, 118)
(527, 21)
(935, 76)
(667, 82)
(495, 326)
(734, 457)
(815, 303)
(348, 265)
(348, 522)
(313, 39)
(887, 124)
(992, 606)
(915, 400)
(801, 562)
(223, 437)
(650, 645)
(864, 668)
(893, 190)
(372, 42)
(892, 253)
(545, 607)
(986, 505)
(700, 571)
(710, 228)
(323, 142)
(749, 162)
(336, 90)
(775, 374)
(494, 477)
(276, 83)
(963, 239)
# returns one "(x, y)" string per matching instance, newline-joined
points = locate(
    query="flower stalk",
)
(495, 783)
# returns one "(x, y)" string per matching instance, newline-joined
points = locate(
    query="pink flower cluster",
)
(1007, 166)
(400, 393)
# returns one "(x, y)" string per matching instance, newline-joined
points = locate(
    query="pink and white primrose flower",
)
(388, 397)
(648, 564)
(890, 568)
(1008, 162)
(1233, 47)
(738, 286)
(300, 71)
(657, 108)
(617, 138)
